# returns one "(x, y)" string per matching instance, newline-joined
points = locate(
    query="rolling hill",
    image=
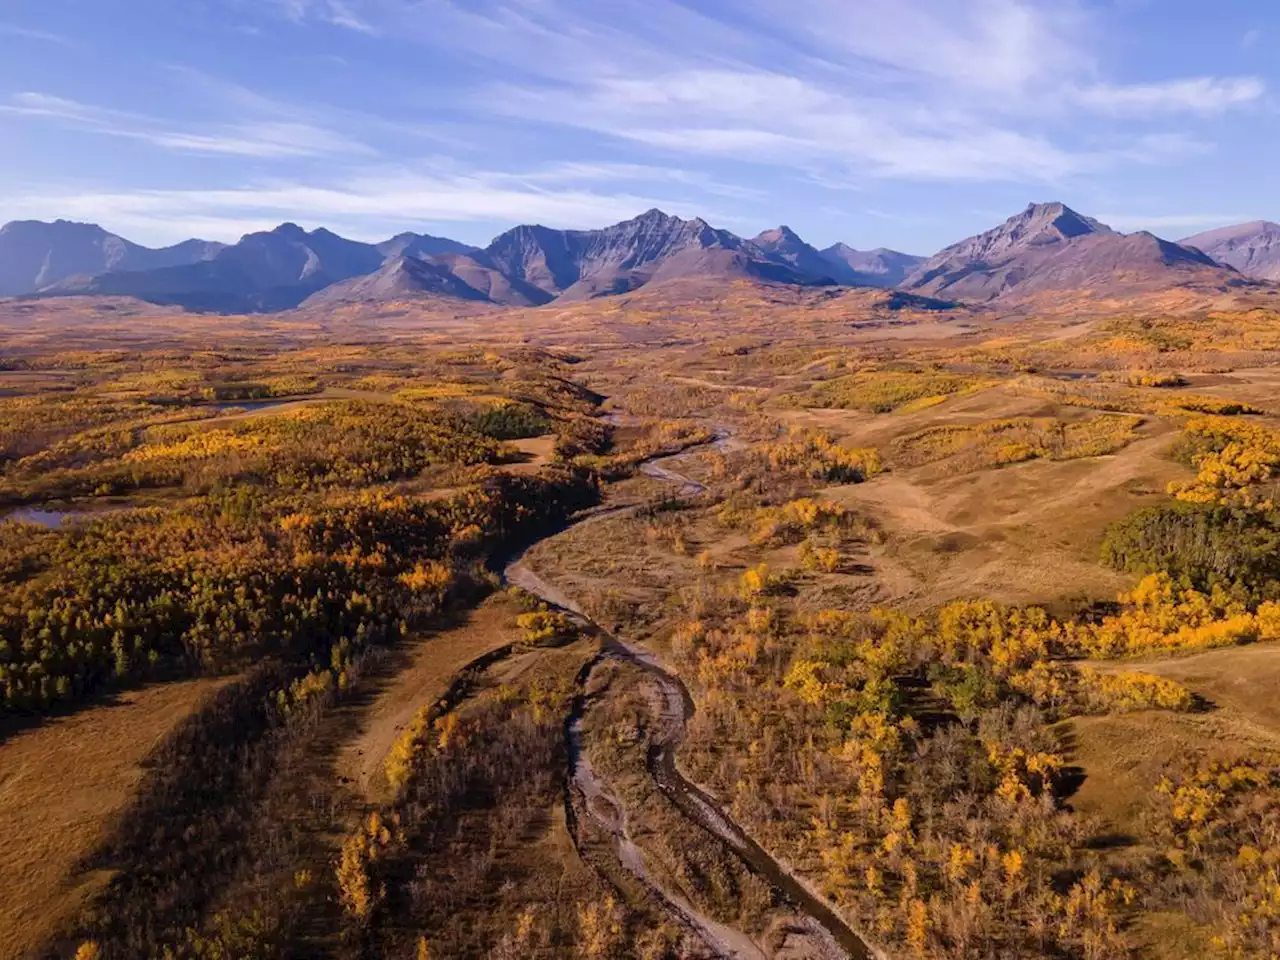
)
(456, 276)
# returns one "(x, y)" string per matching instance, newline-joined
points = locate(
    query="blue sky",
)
(902, 123)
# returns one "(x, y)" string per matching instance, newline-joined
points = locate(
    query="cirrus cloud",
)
(1201, 95)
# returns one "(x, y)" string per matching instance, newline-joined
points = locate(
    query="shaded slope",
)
(421, 245)
(880, 267)
(478, 271)
(785, 246)
(399, 279)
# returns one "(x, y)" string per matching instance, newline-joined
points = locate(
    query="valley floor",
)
(849, 637)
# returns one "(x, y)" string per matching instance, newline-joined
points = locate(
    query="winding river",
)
(673, 708)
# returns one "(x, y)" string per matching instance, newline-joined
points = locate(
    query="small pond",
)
(50, 519)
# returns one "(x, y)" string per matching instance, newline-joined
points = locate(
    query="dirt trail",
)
(433, 662)
(275, 406)
(903, 505)
(1024, 533)
(1238, 682)
(1017, 495)
(713, 385)
(342, 768)
(1124, 756)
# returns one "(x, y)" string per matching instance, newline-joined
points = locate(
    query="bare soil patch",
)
(537, 450)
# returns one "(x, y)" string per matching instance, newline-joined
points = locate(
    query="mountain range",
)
(35, 255)
(1047, 247)
(526, 266)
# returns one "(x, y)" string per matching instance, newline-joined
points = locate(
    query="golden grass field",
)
(61, 787)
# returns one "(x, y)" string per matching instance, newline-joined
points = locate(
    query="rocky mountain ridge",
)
(1047, 247)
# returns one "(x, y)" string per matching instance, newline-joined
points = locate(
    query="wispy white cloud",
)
(929, 90)
(1163, 148)
(697, 98)
(914, 89)
(1003, 47)
(28, 33)
(338, 13)
(786, 121)
(262, 140)
(59, 108)
(634, 173)
(341, 15)
(1201, 95)
(219, 96)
